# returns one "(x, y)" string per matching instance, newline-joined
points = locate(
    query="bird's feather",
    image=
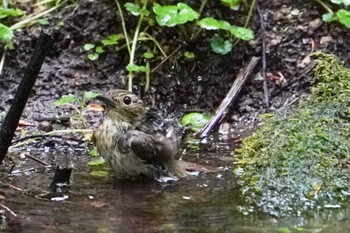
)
(152, 149)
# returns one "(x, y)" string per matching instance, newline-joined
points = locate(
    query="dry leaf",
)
(95, 107)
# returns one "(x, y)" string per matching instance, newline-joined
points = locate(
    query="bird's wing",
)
(150, 148)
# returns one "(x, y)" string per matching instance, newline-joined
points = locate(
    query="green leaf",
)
(60, 24)
(99, 161)
(135, 9)
(220, 46)
(90, 95)
(65, 99)
(99, 173)
(93, 152)
(88, 46)
(328, 17)
(344, 17)
(242, 33)
(10, 12)
(196, 120)
(172, 15)
(233, 4)
(2, 115)
(189, 55)
(111, 40)
(337, 1)
(284, 230)
(136, 68)
(210, 23)
(6, 35)
(43, 21)
(93, 56)
(99, 50)
(148, 55)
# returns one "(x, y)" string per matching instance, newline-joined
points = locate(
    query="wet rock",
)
(306, 61)
(325, 40)
(315, 24)
(45, 126)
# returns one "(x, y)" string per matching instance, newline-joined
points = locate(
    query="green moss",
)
(299, 160)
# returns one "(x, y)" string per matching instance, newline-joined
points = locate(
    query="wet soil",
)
(292, 31)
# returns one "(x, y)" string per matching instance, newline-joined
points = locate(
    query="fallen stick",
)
(12, 117)
(234, 90)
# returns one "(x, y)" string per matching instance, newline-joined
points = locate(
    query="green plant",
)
(179, 18)
(219, 44)
(298, 160)
(196, 120)
(233, 4)
(97, 164)
(9, 16)
(6, 33)
(77, 103)
(94, 51)
(340, 14)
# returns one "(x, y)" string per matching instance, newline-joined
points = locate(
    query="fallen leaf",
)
(24, 123)
(95, 107)
(97, 204)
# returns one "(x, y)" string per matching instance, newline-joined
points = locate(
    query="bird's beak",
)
(107, 101)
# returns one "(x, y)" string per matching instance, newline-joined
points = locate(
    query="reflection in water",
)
(203, 203)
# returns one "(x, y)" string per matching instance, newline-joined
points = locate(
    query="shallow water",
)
(203, 203)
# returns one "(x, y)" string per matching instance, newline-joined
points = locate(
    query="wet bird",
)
(126, 144)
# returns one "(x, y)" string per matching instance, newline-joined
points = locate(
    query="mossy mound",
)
(300, 160)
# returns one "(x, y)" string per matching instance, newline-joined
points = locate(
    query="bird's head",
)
(123, 106)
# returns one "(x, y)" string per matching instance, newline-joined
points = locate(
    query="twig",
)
(2, 61)
(43, 136)
(234, 90)
(9, 210)
(164, 60)
(11, 186)
(11, 120)
(263, 71)
(37, 160)
(32, 138)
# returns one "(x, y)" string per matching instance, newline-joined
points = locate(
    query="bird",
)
(128, 145)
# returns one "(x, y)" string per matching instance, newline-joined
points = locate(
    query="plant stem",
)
(195, 35)
(87, 131)
(250, 13)
(123, 26)
(5, 3)
(34, 17)
(133, 47)
(149, 37)
(81, 116)
(325, 6)
(202, 6)
(148, 79)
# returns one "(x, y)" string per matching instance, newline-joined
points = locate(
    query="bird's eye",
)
(127, 100)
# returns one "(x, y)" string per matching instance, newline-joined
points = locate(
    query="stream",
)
(198, 203)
